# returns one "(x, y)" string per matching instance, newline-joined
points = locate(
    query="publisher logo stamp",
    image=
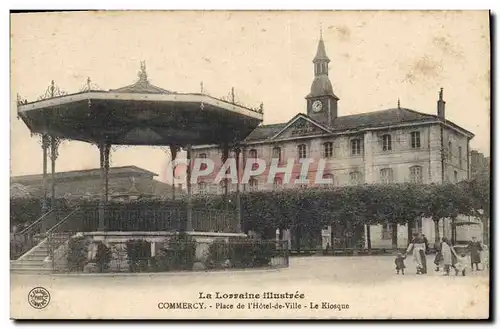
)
(39, 297)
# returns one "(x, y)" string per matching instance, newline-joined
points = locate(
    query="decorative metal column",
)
(225, 156)
(173, 154)
(237, 152)
(102, 198)
(189, 221)
(45, 147)
(51, 92)
(54, 146)
(107, 148)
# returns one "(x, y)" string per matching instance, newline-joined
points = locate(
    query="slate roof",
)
(379, 118)
(18, 191)
(321, 52)
(346, 123)
(265, 131)
(29, 179)
(31, 185)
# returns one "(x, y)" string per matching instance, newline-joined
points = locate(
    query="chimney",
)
(440, 105)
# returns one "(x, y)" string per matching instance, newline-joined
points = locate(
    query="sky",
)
(376, 58)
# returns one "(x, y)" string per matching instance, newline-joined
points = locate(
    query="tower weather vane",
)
(143, 76)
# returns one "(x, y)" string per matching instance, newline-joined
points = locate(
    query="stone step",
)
(32, 259)
(28, 261)
(40, 251)
(37, 254)
(34, 265)
(32, 270)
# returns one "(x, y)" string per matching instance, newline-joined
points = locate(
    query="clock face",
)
(317, 106)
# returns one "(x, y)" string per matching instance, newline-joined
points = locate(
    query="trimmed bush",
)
(178, 256)
(242, 253)
(138, 254)
(77, 256)
(103, 257)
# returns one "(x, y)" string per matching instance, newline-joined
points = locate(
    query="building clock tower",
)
(321, 101)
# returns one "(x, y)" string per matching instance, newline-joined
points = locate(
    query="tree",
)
(477, 192)
(446, 201)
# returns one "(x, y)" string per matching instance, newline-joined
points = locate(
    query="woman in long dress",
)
(448, 254)
(417, 248)
(475, 249)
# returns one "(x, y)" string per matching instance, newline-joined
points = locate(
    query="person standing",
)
(448, 254)
(439, 257)
(426, 242)
(475, 249)
(417, 248)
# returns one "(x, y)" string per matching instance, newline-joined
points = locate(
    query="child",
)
(461, 264)
(439, 256)
(400, 263)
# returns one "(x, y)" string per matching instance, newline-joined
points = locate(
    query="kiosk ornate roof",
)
(142, 86)
(139, 114)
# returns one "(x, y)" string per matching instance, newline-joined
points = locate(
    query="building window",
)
(252, 154)
(253, 184)
(331, 178)
(415, 139)
(355, 146)
(355, 177)
(327, 150)
(386, 175)
(386, 231)
(278, 183)
(222, 186)
(386, 143)
(450, 153)
(302, 178)
(277, 154)
(416, 174)
(203, 166)
(202, 188)
(460, 164)
(455, 174)
(302, 151)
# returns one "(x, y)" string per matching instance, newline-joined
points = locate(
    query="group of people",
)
(446, 256)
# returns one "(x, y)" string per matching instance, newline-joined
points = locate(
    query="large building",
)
(128, 182)
(479, 165)
(395, 145)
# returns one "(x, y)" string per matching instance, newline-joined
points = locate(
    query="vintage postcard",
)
(250, 165)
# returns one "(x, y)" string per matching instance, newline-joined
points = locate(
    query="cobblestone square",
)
(368, 284)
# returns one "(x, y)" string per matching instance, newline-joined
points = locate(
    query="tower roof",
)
(321, 52)
(321, 86)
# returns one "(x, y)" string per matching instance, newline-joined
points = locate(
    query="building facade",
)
(395, 145)
(125, 183)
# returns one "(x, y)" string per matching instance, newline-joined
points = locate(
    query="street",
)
(340, 287)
